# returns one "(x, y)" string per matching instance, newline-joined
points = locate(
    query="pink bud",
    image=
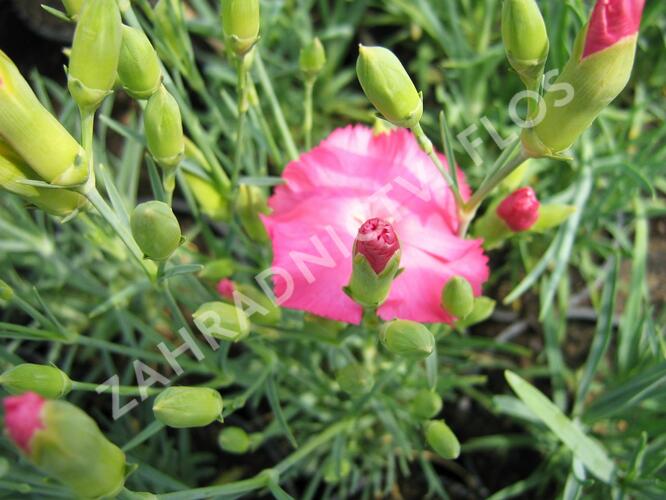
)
(226, 288)
(519, 210)
(23, 418)
(377, 242)
(611, 21)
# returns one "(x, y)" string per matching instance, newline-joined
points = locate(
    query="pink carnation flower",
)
(611, 21)
(23, 418)
(329, 192)
(520, 210)
(226, 288)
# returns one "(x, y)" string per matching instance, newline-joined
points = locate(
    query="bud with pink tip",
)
(520, 210)
(376, 261)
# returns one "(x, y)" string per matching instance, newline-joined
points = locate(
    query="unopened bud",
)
(213, 203)
(458, 297)
(183, 407)
(240, 23)
(155, 229)
(138, 67)
(426, 404)
(519, 210)
(525, 38)
(222, 321)
(6, 291)
(335, 471)
(408, 339)
(552, 215)
(164, 129)
(442, 439)
(234, 440)
(35, 134)
(93, 62)
(62, 440)
(251, 202)
(45, 380)
(267, 313)
(312, 58)
(218, 269)
(354, 379)
(482, 310)
(388, 86)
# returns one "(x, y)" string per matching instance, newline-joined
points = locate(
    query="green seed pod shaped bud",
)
(482, 310)
(164, 129)
(375, 263)
(551, 216)
(6, 292)
(426, 404)
(268, 313)
(47, 381)
(72, 7)
(155, 229)
(312, 58)
(65, 443)
(138, 67)
(183, 407)
(335, 471)
(251, 202)
(222, 321)
(458, 297)
(35, 134)
(93, 62)
(212, 202)
(13, 170)
(240, 23)
(408, 339)
(218, 269)
(525, 39)
(354, 379)
(234, 440)
(442, 440)
(388, 86)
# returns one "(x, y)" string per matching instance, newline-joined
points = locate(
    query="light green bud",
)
(6, 291)
(388, 86)
(138, 67)
(335, 471)
(442, 439)
(551, 216)
(458, 297)
(408, 339)
(155, 229)
(223, 321)
(525, 38)
(71, 448)
(426, 404)
(354, 379)
(213, 203)
(240, 23)
(72, 7)
(35, 134)
(234, 440)
(164, 129)
(250, 202)
(273, 313)
(93, 62)
(482, 310)
(183, 407)
(312, 58)
(218, 269)
(45, 380)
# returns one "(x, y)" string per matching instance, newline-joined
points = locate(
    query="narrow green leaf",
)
(274, 401)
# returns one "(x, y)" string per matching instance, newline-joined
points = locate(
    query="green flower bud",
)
(312, 58)
(482, 310)
(182, 407)
(6, 292)
(155, 229)
(72, 7)
(240, 23)
(138, 67)
(71, 448)
(458, 297)
(552, 216)
(234, 440)
(273, 312)
(45, 380)
(442, 440)
(35, 134)
(164, 129)
(325, 330)
(388, 86)
(216, 270)
(426, 404)
(212, 202)
(93, 62)
(223, 321)
(173, 41)
(251, 202)
(335, 471)
(13, 170)
(408, 339)
(354, 379)
(491, 228)
(525, 39)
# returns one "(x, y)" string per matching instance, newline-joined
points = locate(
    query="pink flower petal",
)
(23, 418)
(611, 21)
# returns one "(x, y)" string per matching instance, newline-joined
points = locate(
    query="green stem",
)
(123, 390)
(241, 90)
(307, 118)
